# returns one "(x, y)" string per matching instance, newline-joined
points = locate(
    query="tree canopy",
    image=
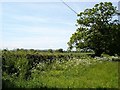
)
(97, 30)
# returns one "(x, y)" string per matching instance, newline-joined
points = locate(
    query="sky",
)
(39, 25)
(119, 9)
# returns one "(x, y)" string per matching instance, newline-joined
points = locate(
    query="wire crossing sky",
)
(69, 7)
(40, 25)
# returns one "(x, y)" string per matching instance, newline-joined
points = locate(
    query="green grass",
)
(97, 75)
(80, 71)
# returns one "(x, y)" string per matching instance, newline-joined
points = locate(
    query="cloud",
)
(47, 20)
(57, 0)
(25, 30)
(37, 37)
(30, 19)
(36, 42)
(39, 30)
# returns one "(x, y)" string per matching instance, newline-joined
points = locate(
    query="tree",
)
(59, 50)
(50, 50)
(97, 30)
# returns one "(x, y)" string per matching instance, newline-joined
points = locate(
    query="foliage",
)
(59, 50)
(34, 69)
(97, 30)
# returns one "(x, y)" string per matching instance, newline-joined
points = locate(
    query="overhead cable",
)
(69, 7)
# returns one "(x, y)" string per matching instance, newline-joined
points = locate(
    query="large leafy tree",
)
(97, 30)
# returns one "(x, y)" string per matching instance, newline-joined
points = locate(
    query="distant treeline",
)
(60, 50)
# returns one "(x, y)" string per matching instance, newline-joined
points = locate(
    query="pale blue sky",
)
(39, 25)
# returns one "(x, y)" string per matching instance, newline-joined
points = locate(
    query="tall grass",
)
(80, 71)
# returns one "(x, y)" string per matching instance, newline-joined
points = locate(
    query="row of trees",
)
(97, 29)
(33, 50)
(60, 50)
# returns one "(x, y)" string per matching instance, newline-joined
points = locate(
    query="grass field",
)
(83, 72)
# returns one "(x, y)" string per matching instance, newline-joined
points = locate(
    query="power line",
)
(69, 7)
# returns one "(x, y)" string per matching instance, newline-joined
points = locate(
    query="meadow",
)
(36, 69)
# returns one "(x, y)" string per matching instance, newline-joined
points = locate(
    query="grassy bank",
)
(75, 72)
